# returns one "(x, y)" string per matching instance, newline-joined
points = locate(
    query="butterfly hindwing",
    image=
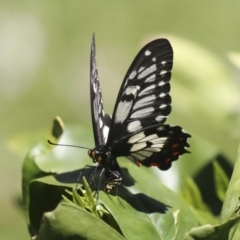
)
(144, 99)
(157, 146)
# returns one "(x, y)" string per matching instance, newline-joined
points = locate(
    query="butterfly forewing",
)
(100, 120)
(143, 99)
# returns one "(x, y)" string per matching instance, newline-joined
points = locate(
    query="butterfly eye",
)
(91, 154)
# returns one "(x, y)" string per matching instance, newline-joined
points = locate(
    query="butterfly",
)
(136, 129)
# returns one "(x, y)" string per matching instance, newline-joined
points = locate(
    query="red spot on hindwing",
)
(154, 164)
(168, 160)
(175, 153)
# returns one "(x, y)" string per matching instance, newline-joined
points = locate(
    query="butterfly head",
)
(99, 154)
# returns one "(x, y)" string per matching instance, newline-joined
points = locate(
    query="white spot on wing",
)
(147, 90)
(134, 126)
(161, 128)
(136, 137)
(142, 113)
(150, 137)
(163, 72)
(105, 133)
(151, 78)
(131, 90)
(161, 83)
(162, 95)
(141, 69)
(100, 122)
(94, 87)
(152, 149)
(159, 118)
(159, 140)
(126, 82)
(133, 74)
(100, 108)
(163, 63)
(154, 59)
(137, 156)
(145, 153)
(147, 71)
(122, 112)
(157, 145)
(144, 101)
(138, 146)
(147, 53)
(163, 106)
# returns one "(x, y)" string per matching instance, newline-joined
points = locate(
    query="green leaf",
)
(30, 169)
(71, 222)
(45, 195)
(151, 207)
(231, 201)
(221, 180)
(143, 206)
(192, 195)
(227, 231)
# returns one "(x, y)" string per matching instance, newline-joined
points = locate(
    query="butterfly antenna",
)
(66, 145)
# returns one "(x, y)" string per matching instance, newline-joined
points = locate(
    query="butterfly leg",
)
(99, 183)
(81, 173)
(113, 179)
(92, 174)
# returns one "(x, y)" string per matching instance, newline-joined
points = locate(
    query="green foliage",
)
(30, 169)
(221, 181)
(143, 207)
(192, 195)
(231, 201)
(68, 221)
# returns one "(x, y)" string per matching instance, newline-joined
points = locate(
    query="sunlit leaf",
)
(192, 195)
(226, 231)
(231, 201)
(68, 222)
(30, 169)
(221, 181)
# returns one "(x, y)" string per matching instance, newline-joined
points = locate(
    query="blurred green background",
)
(44, 72)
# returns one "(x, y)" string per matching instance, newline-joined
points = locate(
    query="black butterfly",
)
(136, 129)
